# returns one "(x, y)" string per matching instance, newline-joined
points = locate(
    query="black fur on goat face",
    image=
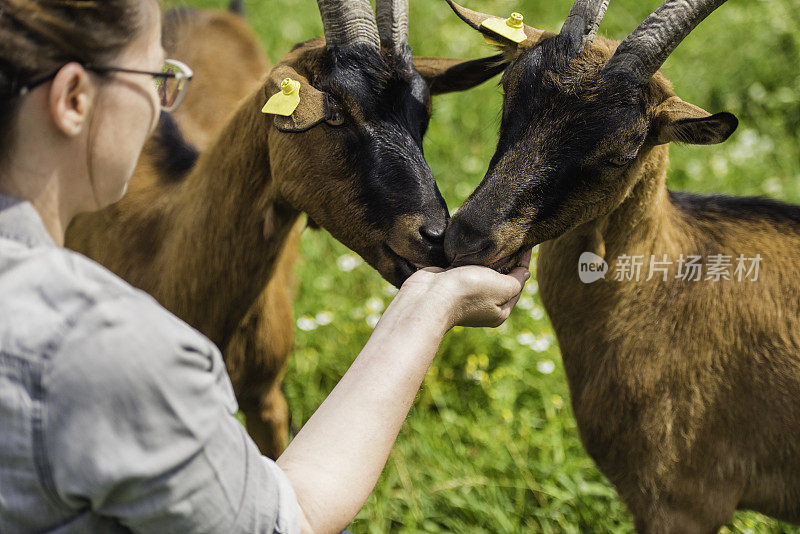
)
(571, 134)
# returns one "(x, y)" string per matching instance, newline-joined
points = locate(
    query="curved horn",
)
(348, 22)
(644, 51)
(583, 22)
(475, 19)
(392, 18)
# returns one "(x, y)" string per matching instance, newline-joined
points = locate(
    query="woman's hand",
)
(471, 295)
(346, 442)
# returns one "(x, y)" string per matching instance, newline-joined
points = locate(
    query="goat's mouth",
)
(403, 267)
(509, 263)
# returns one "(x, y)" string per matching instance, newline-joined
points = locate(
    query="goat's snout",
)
(420, 240)
(431, 235)
(466, 244)
(433, 231)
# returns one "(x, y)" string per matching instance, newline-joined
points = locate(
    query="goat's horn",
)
(583, 22)
(392, 17)
(348, 22)
(475, 19)
(644, 51)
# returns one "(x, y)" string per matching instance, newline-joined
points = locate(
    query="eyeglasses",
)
(171, 83)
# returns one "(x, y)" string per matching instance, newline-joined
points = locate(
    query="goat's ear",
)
(677, 121)
(312, 110)
(446, 75)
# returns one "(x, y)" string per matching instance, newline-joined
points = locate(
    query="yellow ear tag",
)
(285, 102)
(493, 42)
(511, 28)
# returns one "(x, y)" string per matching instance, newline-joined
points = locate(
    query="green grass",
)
(491, 444)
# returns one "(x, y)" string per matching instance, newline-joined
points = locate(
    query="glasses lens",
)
(173, 88)
(169, 88)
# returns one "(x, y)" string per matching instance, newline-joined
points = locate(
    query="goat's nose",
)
(464, 245)
(433, 232)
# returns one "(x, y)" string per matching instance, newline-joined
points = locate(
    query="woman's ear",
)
(71, 98)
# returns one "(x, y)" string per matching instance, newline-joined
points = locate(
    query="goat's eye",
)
(619, 161)
(336, 117)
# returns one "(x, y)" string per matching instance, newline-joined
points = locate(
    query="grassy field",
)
(491, 444)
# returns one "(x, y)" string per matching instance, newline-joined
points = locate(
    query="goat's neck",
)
(229, 227)
(644, 223)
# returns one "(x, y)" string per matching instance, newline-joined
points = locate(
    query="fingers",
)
(522, 274)
(478, 296)
(508, 306)
(525, 260)
(507, 291)
(514, 282)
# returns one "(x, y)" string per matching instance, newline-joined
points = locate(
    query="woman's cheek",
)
(117, 145)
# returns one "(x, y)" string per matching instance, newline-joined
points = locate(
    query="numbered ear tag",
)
(285, 102)
(511, 28)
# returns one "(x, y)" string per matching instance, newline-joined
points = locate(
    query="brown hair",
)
(37, 37)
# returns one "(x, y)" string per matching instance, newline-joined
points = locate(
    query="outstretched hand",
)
(352, 432)
(473, 295)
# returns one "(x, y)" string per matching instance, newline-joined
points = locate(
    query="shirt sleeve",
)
(139, 426)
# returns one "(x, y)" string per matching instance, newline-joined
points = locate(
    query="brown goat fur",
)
(258, 349)
(214, 237)
(224, 75)
(685, 393)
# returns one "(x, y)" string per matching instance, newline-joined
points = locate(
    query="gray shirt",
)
(115, 416)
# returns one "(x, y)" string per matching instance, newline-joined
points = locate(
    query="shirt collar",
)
(19, 221)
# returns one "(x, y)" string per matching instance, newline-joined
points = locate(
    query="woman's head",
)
(104, 118)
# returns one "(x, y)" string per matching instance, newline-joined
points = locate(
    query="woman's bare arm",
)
(335, 460)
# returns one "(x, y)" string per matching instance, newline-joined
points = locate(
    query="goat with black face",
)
(381, 104)
(684, 388)
(351, 154)
(576, 124)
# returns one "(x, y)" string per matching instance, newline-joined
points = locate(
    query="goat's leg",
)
(256, 358)
(257, 354)
(268, 424)
(683, 513)
(675, 521)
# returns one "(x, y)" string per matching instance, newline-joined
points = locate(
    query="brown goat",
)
(214, 237)
(685, 390)
(258, 351)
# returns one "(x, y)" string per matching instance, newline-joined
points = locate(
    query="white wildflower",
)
(525, 303)
(389, 290)
(306, 323)
(324, 317)
(532, 287)
(374, 305)
(542, 343)
(545, 366)
(526, 338)
(348, 262)
(372, 319)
